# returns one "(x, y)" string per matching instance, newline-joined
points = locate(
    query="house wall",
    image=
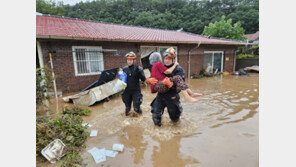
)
(197, 57)
(64, 66)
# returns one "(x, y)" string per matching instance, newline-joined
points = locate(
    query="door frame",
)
(222, 59)
(160, 46)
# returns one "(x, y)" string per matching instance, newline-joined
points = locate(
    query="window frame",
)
(100, 58)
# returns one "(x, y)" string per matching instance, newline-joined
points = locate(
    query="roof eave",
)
(140, 41)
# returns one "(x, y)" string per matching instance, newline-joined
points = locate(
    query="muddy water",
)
(221, 129)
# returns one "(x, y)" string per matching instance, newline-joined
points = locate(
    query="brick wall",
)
(197, 57)
(64, 65)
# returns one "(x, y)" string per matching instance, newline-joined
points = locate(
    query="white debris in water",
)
(97, 154)
(118, 147)
(216, 94)
(93, 133)
(110, 153)
(125, 122)
(233, 96)
(87, 124)
(254, 103)
(244, 99)
(227, 92)
(255, 90)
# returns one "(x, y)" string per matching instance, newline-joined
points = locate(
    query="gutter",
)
(141, 41)
(188, 67)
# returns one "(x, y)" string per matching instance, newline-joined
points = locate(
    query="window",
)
(215, 59)
(88, 60)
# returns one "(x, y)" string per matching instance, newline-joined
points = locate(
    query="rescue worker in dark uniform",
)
(132, 92)
(170, 99)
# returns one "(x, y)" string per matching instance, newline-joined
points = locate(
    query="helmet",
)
(170, 52)
(130, 55)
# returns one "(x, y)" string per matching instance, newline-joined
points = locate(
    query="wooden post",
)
(54, 82)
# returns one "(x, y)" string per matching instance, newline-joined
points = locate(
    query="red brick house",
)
(81, 49)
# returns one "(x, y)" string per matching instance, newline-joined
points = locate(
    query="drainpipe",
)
(234, 61)
(188, 67)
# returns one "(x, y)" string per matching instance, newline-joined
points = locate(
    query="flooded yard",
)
(220, 130)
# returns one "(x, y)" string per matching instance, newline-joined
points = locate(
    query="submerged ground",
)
(220, 130)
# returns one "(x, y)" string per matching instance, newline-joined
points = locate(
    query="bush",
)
(254, 47)
(66, 127)
(203, 74)
(43, 84)
(72, 158)
(243, 56)
(75, 110)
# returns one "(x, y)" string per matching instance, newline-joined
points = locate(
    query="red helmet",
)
(130, 55)
(170, 52)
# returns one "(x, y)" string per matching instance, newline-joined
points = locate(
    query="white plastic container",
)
(54, 150)
(93, 133)
(118, 147)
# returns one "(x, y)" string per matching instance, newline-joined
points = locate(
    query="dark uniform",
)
(170, 99)
(132, 92)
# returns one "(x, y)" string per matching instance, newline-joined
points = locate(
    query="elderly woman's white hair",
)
(154, 58)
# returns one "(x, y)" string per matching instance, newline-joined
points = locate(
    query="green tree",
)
(191, 15)
(50, 7)
(225, 29)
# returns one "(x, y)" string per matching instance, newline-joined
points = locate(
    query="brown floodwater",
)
(220, 130)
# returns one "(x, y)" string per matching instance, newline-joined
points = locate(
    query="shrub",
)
(203, 74)
(66, 127)
(43, 84)
(72, 158)
(75, 110)
(243, 56)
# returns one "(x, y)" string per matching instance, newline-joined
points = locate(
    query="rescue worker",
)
(132, 92)
(171, 98)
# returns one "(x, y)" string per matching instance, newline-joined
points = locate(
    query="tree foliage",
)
(50, 7)
(225, 29)
(191, 15)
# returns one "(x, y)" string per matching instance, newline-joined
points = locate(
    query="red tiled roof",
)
(68, 28)
(252, 37)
